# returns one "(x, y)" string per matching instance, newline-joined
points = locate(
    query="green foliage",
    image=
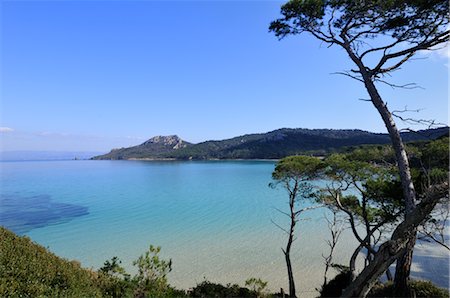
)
(410, 19)
(209, 289)
(291, 167)
(420, 287)
(112, 286)
(257, 286)
(29, 270)
(272, 145)
(374, 154)
(113, 268)
(115, 282)
(152, 270)
(375, 188)
(432, 165)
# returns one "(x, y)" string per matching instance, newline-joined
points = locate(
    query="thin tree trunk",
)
(389, 275)
(403, 268)
(402, 271)
(404, 264)
(401, 157)
(290, 275)
(352, 265)
(335, 230)
(287, 252)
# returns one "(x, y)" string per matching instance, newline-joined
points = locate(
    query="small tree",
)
(258, 286)
(294, 173)
(113, 279)
(336, 227)
(152, 271)
(113, 268)
(369, 197)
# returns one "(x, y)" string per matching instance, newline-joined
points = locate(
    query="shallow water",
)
(213, 219)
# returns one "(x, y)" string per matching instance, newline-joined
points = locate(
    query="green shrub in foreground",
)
(30, 270)
(209, 289)
(421, 288)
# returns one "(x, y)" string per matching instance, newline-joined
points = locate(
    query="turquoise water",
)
(214, 219)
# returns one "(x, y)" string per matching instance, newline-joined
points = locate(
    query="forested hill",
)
(272, 145)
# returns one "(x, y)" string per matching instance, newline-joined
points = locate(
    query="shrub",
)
(29, 270)
(335, 286)
(420, 287)
(151, 278)
(209, 289)
(257, 286)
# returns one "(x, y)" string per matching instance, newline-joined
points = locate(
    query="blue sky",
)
(92, 75)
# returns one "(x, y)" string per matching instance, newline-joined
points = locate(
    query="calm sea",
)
(213, 219)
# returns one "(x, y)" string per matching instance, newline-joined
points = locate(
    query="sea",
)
(216, 220)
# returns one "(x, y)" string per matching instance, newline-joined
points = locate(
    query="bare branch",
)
(396, 65)
(348, 75)
(336, 227)
(281, 211)
(436, 229)
(424, 45)
(405, 86)
(412, 121)
(406, 110)
(278, 226)
(307, 209)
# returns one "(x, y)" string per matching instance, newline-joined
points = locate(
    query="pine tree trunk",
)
(290, 276)
(409, 194)
(402, 271)
(403, 267)
(287, 252)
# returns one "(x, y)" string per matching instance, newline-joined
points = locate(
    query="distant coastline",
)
(28, 155)
(209, 159)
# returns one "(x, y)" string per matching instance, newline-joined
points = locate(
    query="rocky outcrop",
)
(156, 148)
(173, 141)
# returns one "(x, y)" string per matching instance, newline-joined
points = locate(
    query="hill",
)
(158, 147)
(272, 145)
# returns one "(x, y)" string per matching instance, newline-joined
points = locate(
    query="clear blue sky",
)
(91, 75)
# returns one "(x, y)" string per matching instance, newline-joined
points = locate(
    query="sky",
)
(96, 75)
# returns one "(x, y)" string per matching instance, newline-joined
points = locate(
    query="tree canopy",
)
(398, 29)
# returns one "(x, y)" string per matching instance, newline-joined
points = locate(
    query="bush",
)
(420, 287)
(151, 279)
(209, 289)
(113, 280)
(335, 286)
(29, 270)
(257, 286)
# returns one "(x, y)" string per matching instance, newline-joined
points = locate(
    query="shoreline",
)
(208, 159)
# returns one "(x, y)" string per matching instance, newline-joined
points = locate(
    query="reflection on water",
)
(22, 214)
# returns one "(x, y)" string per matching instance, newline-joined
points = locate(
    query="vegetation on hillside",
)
(30, 270)
(272, 145)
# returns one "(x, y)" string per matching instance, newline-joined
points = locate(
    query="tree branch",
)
(424, 45)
